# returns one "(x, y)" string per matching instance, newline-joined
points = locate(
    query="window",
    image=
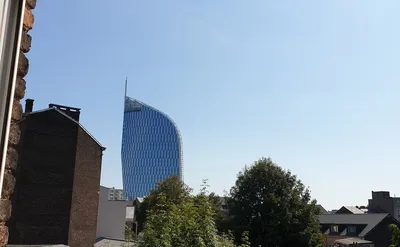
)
(335, 228)
(351, 229)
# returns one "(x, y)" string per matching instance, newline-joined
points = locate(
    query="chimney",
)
(28, 105)
(73, 112)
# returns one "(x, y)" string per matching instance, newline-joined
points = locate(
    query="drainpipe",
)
(11, 22)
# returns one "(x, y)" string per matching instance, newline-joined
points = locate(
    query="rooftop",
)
(70, 118)
(112, 243)
(370, 220)
(352, 209)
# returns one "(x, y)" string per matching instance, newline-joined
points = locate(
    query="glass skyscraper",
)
(151, 148)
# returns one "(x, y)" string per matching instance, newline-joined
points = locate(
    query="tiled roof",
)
(370, 220)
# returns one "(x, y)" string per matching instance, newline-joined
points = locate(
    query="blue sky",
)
(312, 84)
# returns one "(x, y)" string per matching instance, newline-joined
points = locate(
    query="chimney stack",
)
(73, 112)
(28, 105)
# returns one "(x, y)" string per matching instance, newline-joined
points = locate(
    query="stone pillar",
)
(12, 152)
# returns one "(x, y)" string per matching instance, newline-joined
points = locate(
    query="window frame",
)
(11, 22)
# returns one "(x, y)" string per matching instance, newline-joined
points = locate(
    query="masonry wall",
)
(85, 194)
(45, 175)
(12, 153)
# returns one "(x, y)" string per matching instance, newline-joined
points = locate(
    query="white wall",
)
(111, 217)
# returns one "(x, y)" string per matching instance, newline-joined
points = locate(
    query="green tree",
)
(186, 221)
(220, 216)
(395, 241)
(274, 207)
(174, 190)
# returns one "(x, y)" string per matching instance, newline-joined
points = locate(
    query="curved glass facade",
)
(151, 148)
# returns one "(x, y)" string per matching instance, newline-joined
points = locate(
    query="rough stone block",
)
(8, 186)
(3, 235)
(23, 65)
(15, 134)
(28, 19)
(26, 41)
(20, 88)
(16, 111)
(30, 4)
(12, 159)
(5, 210)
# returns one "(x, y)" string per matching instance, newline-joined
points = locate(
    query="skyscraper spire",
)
(126, 86)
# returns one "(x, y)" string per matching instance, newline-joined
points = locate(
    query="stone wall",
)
(12, 154)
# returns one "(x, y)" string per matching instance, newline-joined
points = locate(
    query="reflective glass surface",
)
(151, 148)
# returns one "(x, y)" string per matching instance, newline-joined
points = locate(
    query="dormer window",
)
(351, 229)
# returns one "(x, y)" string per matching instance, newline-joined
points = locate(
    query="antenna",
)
(126, 85)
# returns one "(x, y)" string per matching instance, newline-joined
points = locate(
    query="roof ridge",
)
(70, 118)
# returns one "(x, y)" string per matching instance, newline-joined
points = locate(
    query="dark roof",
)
(352, 209)
(70, 118)
(322, 210)
(370, 220)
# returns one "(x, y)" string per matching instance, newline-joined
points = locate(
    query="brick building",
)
(58, 179)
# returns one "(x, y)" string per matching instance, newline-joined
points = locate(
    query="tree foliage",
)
(177, 219)
(220, 216)
(274, 207)
(395, 241)
(175, 192)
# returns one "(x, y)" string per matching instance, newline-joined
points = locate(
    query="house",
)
(372, 227)
(57, 179)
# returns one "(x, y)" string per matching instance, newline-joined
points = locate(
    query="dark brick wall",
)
(45, 175)
(85, 195)
(58, 180)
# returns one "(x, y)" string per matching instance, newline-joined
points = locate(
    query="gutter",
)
(11, 20)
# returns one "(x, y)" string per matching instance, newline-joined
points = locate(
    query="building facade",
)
(115, 194)
(151, 148)
(382, 202)
(111, 217)
(57, 186)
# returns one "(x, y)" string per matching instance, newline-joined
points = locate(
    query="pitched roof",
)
(352, 209)
(370, 220)
(322, 210)
(70, 118)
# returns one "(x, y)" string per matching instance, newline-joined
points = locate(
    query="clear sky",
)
(312, 84)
